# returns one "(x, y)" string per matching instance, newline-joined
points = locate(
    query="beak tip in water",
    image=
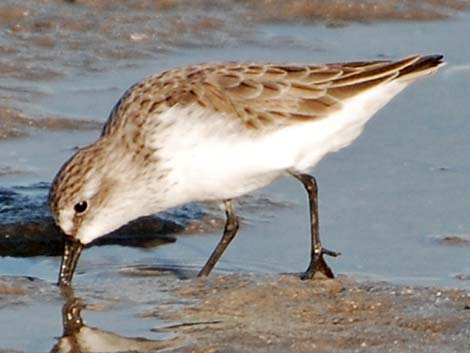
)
(72, 251)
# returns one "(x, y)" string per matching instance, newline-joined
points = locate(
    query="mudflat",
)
(278, 313)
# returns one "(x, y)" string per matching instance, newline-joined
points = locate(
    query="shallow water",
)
(386, 202)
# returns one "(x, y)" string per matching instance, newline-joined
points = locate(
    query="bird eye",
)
(80, 207)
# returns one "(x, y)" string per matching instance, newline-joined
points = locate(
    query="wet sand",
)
(15, 125)
(284, 314)
(277, 313)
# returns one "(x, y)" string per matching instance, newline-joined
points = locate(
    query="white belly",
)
(209, 158)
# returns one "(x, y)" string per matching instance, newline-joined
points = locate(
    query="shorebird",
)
(213, 132)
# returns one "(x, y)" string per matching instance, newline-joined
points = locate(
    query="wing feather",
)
(264, 96)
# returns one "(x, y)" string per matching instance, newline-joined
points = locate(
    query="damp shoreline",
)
(240, 313)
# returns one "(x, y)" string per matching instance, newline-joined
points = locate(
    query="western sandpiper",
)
(213, 132)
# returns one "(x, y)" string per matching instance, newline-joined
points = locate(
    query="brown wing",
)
(264, 95)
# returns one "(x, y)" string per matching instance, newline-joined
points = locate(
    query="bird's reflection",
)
(78, 337)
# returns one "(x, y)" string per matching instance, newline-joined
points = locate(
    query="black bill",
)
(72, 251)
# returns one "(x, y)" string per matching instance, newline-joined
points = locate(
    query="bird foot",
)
(318, 264)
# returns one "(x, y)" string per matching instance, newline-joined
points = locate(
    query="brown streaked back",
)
(262, 96)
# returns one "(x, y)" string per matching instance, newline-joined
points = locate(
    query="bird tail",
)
(420, 66)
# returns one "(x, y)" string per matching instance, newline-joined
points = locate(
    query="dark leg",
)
(231, 227)
(317, 263)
